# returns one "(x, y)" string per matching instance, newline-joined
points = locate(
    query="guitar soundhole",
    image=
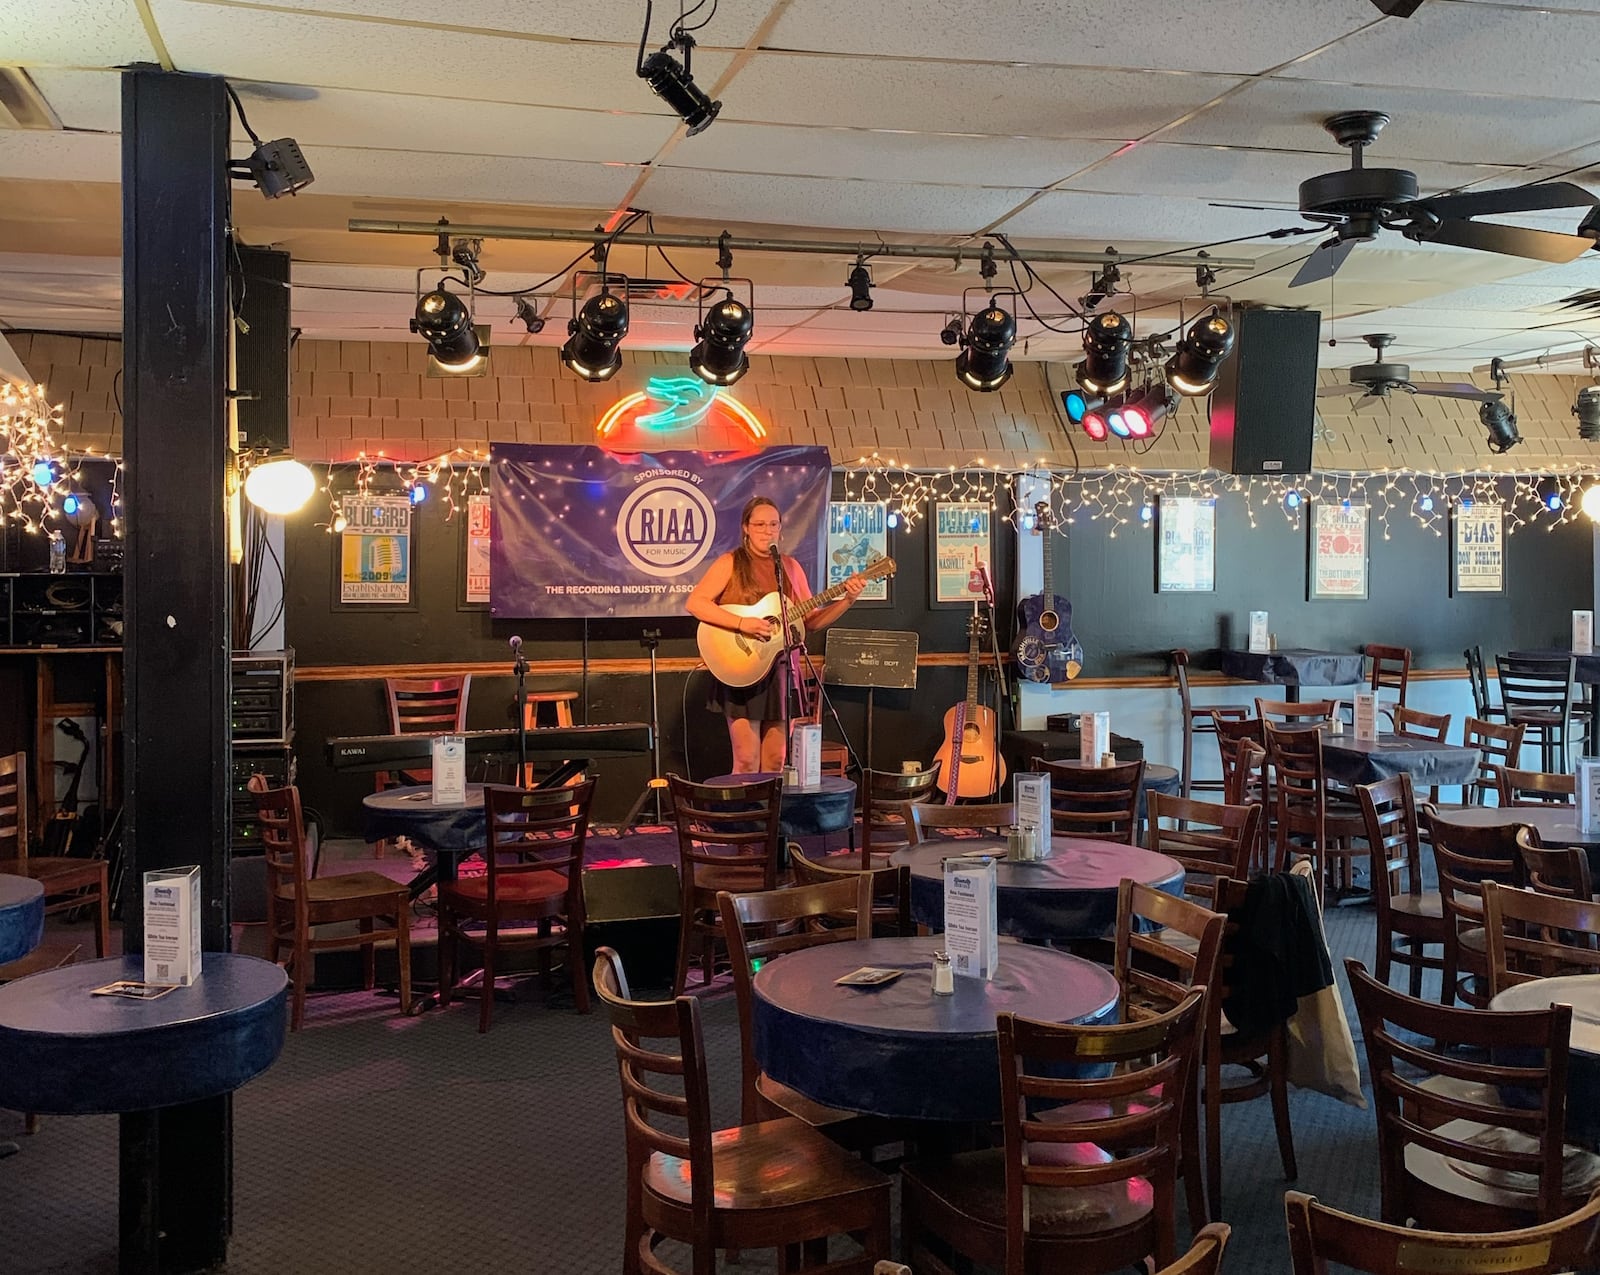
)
(1049, 621)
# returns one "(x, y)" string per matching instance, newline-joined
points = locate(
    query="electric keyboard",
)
(354, 753)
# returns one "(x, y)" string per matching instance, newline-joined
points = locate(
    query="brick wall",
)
(354, 396)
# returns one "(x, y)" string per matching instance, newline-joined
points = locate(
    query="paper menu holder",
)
(971, 933)
(1366, 717)
(449, 770)
(1094, 737)
(1260, 640)
(172, 926)
(806, 753)
(1030, 793)
(1583, 632)
(1588, 784)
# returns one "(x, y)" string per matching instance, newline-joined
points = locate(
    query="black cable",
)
(700, 25)
(1283, 233)
(1021, 292)
(644, 36)
(244, 119)
(1235, 283)
(650, 224)
(1066, 425)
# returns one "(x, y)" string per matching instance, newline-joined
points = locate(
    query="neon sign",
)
(672, 403)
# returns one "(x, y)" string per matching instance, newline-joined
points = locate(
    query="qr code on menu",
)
(162, 970)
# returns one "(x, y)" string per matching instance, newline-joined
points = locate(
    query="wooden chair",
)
(1538, 694)
(421, 706)
(1391, 669)
(1320, 1236)
(728, 839)
(1536, 788)
(298, 903)
(1196, 721)
(534, 858)
(1452, 1158)
(763, 926)
(1300, 786)
(1245, 779)
(886, 795)
(69, 883)
(1410, 919)
(1498, 745)
(1309, 712)
(1205, 1254)
(1466, 858)
(1559, 871)
(1094, 801)
(1415, 724)
(1096, 1195)
(1533, 935)
(891, 889)
(778, 1183)
(936, 817)
(1483, 707)
(1210, 840)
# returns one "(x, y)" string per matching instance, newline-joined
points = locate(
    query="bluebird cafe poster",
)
(375, 549)
(579, 532)
(858, 535)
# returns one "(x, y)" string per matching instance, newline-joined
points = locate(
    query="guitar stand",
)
(650, 639)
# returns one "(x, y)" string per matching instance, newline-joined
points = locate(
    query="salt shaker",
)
(944, 979)
(1107, 759)
(1016, 843)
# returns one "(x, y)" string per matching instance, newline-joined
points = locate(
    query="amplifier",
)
(262, 699)
(635, 912)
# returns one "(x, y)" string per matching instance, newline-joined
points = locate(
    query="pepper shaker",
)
(944, 979)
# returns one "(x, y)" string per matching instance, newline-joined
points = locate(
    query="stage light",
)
(591, 349)
(1094, 425)
(280, 486)
(1077, 404)
(984, 363)
(1587, 410)
(1192, 370)
(528, 316)
(950, 334)
(444, 322)
(1117, 422)
(718, 358)
(278, 168)
(1501, 424)
(860, 284)
(1591, 502)
(674, 84)
(1106, 339)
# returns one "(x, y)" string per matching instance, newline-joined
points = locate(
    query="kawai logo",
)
(666, 526)
(672, 403)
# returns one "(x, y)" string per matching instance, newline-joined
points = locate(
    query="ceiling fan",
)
(1380, 378)
(1357, 202)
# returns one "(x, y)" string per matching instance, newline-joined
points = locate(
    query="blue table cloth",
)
(65, 1052)
(21, 916)
(1293, 667)
(809, 810)
(1582, 992)
(897, 1050)
(1428, 763)
(411, 812)
(1072, 894)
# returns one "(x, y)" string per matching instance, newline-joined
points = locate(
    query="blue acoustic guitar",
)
(1047, 650)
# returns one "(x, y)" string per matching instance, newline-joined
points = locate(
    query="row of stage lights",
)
(1105, 406)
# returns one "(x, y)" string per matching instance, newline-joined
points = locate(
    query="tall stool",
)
(1197, 721)
(560, 700)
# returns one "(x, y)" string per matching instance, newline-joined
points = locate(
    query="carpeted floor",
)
(383, 1144)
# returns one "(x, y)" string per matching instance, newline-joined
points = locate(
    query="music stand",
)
(870, 658)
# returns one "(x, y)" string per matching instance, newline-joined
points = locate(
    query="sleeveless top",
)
(766, 574)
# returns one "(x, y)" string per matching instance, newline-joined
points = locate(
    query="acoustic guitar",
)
(1046, 650)
(737, 659)
(969, 762)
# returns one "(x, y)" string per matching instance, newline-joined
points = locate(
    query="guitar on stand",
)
(969, 760)
(67, 833)
(1046, 650)
(736, 659)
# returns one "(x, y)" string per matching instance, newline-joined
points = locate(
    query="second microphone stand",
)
(519, 669)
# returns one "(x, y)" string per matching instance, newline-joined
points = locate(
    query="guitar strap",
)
(958, 737)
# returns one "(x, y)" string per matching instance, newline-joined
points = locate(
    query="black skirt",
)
(762, 701)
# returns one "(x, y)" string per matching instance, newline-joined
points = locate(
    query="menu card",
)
(449, 770)
(172, 926)
(1366, 713)
(1031, 793)
(805, 743)
(971, 934)
(1260, 640)
(1094, 737)
(1583, 632)
(1588, 775)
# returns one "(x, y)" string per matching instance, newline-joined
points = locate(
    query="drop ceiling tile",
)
(1444, 46)
(1496, 298)
(73, 33)
(73, 157)
(21, 264)
(1200, 35)
(806, 201)
(962, 97)
(1426, 124)
(1111, 219)
(412, 175)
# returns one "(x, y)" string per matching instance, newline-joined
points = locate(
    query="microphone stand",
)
(1001, 691)
(519, 669)
(789, 687)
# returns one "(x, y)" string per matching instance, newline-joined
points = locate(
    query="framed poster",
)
(475, 552)
(375, 550)
(1338, 551)
(1477, 549)
(1186, 544)
(858, 534)
(960, 546)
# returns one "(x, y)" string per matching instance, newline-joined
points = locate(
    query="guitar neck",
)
(1049, 588)
(972, 672)
(833, 592)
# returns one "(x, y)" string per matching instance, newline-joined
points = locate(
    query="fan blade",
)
(1249, 207)
(1455, 389)
(1513, 199)
(1325, 260)
(1512, 241)
(1338, 391)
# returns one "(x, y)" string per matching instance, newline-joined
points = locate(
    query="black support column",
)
(177, 1163)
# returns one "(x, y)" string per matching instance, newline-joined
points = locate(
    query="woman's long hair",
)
(744, 562)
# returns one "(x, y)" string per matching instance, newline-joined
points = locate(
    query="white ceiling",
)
(1063, 125)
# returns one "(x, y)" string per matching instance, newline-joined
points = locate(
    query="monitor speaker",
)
(1263, 412)
(634, 910)
(261, 347)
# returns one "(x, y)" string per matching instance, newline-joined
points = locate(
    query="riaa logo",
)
(666, 527)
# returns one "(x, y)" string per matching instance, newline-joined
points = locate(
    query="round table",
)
(897, 1050)
(449, 829)
(1070, 894)
(809, 810)
(1582, 992)
(21, 916)
(1556, 825)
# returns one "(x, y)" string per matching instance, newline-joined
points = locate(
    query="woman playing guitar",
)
(746, 575)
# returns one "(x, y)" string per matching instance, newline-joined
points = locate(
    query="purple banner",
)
(582, 532)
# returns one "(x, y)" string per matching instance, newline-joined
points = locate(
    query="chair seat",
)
(1535, 716)
(973, 1185)
(1499, 1187)
(733, 879)
(344, 887)
(56, 872)
(1427, 906)
(47, 956)
(519, 887)
(766, 1166)
(1474, 939)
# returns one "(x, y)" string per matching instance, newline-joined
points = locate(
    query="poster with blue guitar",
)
(1047, 650)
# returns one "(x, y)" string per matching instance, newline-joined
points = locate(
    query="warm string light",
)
(37, 472)
(451, 476)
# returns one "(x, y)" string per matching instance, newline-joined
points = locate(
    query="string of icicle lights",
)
(1130, 498)
(40, 478)
(453, 475)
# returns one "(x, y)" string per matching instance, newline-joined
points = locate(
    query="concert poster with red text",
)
(581, 532)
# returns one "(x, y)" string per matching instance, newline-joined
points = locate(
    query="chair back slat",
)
(1466, 857)
(533, 830)
(1419, 725)
(886, 799)
(1483, 707)
(428, 706)
(1536, 788)
(1094, 801)
(723, 825)
(891, 889)
(1209, 839)
(1391, 669)
(1290, 712)
(1154, 966)
(1533, 935)
(1499, 744)
(14, 808)
(936, 817)
(283, 839)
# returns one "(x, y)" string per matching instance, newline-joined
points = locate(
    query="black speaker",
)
(1263, 413)
(261, 346)
(635, 911)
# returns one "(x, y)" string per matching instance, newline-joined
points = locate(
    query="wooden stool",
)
(561, 699)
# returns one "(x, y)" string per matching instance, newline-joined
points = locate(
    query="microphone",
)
(516, 645)
(776, 556)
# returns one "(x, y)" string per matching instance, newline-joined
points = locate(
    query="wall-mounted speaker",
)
(261, 346)
(1263, 412)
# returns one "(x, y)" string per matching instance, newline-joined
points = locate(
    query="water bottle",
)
(58, 554)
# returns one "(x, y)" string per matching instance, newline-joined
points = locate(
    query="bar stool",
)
(560, 700)
(1197, 721)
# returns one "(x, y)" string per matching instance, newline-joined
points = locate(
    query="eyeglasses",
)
(765, 526)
